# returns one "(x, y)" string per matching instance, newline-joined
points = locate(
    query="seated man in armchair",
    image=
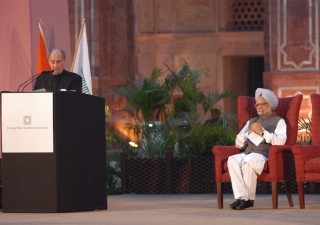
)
(245, 167)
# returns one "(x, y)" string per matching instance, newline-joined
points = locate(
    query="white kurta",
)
(244, 169)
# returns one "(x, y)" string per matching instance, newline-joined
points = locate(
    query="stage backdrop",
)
(19, 21)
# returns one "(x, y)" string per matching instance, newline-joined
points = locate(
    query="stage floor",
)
(179, 209)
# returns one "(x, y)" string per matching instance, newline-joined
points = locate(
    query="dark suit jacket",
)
(66, 80)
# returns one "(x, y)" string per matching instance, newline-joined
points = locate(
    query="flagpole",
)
(44, 36)
(78, 43)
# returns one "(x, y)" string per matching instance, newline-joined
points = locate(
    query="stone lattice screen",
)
(245, 15)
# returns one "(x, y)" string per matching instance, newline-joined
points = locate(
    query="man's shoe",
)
(244, 204)
(235, 204)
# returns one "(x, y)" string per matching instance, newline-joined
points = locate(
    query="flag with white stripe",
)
(81, 63)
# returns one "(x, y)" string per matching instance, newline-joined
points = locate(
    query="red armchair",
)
(279, 165)
(307, 157)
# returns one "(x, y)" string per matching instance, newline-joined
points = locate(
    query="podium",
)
(53, 152)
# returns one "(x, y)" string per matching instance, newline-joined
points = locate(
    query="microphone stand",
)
(34, 77)
(30, 79)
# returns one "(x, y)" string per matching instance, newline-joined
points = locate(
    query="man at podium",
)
(58, 79)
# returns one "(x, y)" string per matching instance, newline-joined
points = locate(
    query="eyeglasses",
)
(58, 62)
(260, 104)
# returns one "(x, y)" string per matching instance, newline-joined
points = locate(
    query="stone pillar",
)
(292, 49)
(114, 50)
(116, 56)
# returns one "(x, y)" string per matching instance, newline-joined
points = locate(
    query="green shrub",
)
(182, 107)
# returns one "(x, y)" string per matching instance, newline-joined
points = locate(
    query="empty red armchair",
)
(307, 157)
(279, 165)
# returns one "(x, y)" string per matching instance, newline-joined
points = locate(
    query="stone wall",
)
(134, 36)
(292, 49)
(166, 31)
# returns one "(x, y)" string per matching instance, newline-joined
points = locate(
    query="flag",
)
(43, 64)
(81, 63)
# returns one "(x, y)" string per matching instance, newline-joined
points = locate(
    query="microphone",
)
(32, 79)
(28, 80)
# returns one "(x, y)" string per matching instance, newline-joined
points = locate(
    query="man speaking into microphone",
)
(59, 79)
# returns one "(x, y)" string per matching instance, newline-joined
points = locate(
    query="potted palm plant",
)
(169, 114)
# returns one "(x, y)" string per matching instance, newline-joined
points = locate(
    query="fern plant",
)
(193, 137)
(113, 159)
(113, 180)
(180, 105)
(145, 102)
(304, 138)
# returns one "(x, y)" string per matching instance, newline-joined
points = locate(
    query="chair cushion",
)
(312, 165)
(225, 166)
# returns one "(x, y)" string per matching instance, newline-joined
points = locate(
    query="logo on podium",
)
(27, 120)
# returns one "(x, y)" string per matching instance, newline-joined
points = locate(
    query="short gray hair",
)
(60, 50)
